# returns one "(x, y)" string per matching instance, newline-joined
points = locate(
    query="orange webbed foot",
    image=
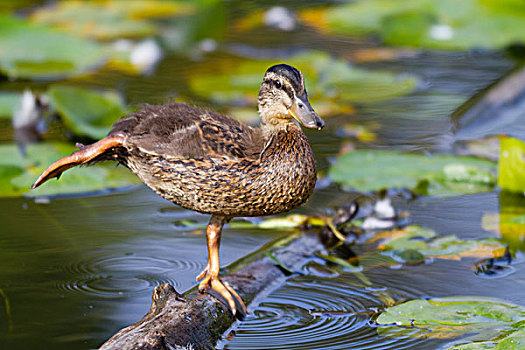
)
(218, 289)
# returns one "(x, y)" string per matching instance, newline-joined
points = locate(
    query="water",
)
(76, 269)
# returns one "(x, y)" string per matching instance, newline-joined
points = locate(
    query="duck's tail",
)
(84, 155)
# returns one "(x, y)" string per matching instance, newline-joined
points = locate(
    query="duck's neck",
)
(272, 125)
(289, 144)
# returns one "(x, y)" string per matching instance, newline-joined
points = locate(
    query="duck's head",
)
(283, 98)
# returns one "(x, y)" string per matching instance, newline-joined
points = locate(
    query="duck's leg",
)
(210, 275)
(83, 156)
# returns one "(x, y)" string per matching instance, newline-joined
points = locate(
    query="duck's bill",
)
(305, 114)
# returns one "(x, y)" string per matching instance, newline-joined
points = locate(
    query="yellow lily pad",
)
(509, 222)
(398, 243)
(104, 20)
(511, 166)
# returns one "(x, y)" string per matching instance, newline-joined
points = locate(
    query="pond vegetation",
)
(434, 257)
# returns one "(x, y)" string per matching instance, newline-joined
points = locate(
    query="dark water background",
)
(76, 269)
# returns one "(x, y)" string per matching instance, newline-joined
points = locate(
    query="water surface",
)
(76, 269)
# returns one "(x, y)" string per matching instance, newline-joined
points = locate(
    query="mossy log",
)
(197, 321)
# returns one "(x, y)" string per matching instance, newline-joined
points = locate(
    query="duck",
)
(214, 164)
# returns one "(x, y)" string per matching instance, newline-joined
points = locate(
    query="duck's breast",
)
(280, 179)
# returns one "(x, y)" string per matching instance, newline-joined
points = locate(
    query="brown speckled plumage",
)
(213, 164)
(216, 165)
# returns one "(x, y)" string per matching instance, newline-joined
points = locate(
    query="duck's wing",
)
(179, 130)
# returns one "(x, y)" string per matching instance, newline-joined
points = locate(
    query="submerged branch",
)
(195, 321)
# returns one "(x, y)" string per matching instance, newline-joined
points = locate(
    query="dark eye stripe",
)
(288, 91)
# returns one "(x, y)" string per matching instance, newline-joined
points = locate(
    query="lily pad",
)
(8, 102)
(368, 170)
(511, 166)
(86, 112)
(512, 341)
(443, 24)
(509, 222)
(326, 78)
(35, 51)
(109, 19)
(288, 221)
(480, 318)
(404, 245)
(17, 172)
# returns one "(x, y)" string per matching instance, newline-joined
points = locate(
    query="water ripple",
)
(128, 275)
(312, 312)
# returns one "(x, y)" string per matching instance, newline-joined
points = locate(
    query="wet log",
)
(196, 321)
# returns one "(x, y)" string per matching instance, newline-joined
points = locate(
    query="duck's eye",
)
(278, 84)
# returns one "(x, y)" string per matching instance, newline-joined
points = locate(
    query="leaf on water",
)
(17, 172)
(368, 170)
(361, 132)
(341, 262)
(509, 223)
(511, 166)
(35, 51)
(378, 54)
(292, 221)
(250, 21)
(86, 112)
(8, 102)
(109, 19)
(289, 221)
(443, 24)
(283, 268)
(510, 341)
(480, 318)
(329, 79)
(407, 256)
(414, 242)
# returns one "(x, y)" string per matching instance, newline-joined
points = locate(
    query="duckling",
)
(214, 164)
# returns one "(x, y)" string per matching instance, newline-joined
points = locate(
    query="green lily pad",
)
(109, 19)
(414, 242)
(511, 167)
(86, 112)
(8, 102)
(368, 170)
(481, 318)
(17, 172)
(325, 77)
(34, 51)
(443, 24)
(512, 341)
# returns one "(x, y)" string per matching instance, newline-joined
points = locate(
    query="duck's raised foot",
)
(221, 291)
